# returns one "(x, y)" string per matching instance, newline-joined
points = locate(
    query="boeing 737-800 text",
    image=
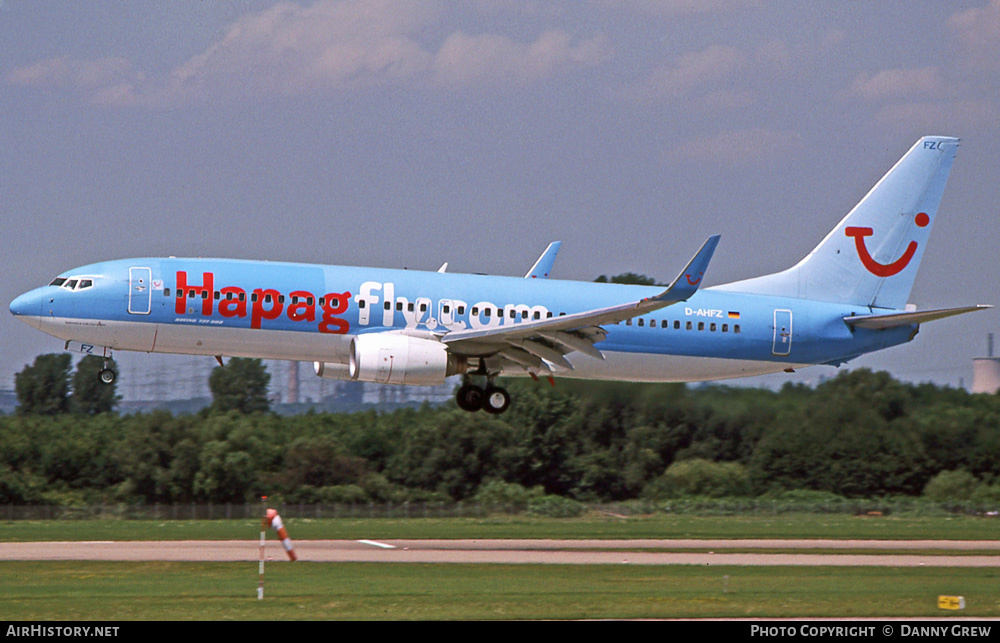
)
(845, 298)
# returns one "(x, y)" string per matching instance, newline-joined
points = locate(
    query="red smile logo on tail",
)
(879, 269)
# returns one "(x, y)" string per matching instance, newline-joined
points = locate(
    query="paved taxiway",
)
(583, 552)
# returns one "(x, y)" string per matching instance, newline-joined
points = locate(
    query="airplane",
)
(847, 297)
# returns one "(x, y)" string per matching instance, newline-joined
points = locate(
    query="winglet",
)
(687, 283)
(543, 266)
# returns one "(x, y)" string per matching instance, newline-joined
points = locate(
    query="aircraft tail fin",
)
(871, 257)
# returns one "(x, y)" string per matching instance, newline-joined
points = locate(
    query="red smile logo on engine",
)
(879, 269)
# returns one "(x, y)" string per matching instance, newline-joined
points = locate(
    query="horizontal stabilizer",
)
(892, 320)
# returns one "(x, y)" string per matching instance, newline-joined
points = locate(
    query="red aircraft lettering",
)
(265, 304)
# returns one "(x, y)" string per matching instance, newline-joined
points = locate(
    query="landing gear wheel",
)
(496, 400)
(470, 398)
(107, 376)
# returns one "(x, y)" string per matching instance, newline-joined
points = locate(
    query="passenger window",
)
(736, 328)
(725, 328)
(677, 325)
(701, 325)
(712, 328)
(687, 326)
(461, 310)
(642, 322)
(387, 306)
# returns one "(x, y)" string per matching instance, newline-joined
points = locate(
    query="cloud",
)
(895, 84)
(84, 75)
(741, 148)
(694, 74)
(679, 7)
(727, 78)
(465, 59)
(979, 30)
(290, 49)
(943, 117)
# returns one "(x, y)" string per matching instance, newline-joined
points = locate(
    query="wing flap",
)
(557, 336)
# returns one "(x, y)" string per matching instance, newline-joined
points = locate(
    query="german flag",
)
(734, 314)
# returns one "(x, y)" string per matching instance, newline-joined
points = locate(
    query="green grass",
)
(78, 590)
(654, 526)
(200, 591)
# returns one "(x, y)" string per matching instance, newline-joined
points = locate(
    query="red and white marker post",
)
(273, 520)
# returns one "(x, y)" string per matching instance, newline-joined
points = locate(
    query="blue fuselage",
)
(303, 312)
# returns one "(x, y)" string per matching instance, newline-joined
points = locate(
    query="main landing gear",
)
(107, 375)
(492, 399)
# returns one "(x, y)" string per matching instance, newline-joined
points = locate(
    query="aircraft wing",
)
(528, 343)
(892, 320)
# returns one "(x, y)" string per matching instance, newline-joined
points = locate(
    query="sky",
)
(403, 133)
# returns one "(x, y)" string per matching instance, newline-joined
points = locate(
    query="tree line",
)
(861, 434)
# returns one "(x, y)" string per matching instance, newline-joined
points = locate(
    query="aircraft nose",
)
(28, 304)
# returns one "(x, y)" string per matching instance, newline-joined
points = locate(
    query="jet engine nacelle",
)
(332, 370)
(388, 358)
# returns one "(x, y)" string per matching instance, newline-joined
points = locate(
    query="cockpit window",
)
(73, 283)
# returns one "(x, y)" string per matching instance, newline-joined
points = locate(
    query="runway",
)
(565, 552)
